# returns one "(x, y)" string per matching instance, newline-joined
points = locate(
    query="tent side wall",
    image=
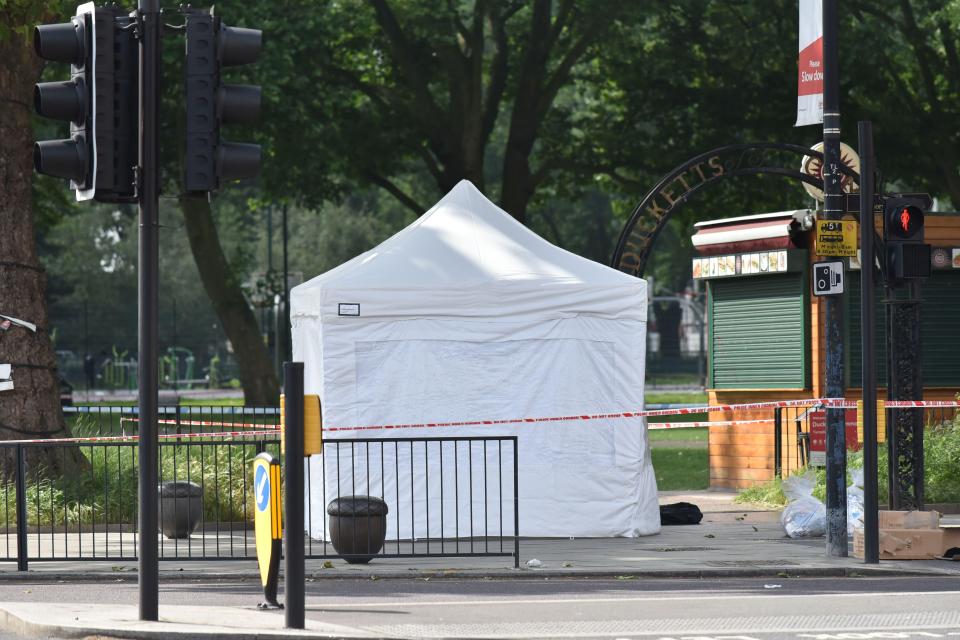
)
(576, 478)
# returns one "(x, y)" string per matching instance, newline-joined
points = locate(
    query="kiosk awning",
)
(779, 230)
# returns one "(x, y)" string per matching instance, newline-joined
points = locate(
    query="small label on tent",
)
(348, 309)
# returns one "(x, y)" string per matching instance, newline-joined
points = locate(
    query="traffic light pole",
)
(148, 194)
(833, 206)
(906, 383)
(871, 543)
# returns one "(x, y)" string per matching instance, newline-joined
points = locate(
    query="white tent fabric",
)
(468, 315)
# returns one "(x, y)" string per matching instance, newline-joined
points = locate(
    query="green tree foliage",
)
(902, 71)
(566, 111)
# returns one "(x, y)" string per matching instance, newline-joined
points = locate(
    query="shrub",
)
(941, 452)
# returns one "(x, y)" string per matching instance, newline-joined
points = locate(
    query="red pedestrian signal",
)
(906, 221)
(907, 255)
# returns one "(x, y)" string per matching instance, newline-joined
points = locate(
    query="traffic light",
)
(211, 161)
(99, 101)
(72, 100)
(908, 257)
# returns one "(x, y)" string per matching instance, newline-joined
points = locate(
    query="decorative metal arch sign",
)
(677, 187)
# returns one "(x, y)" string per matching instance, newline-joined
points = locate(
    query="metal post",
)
(86, 352)
(702, 356)
(833, 209)
(287, 344)
(149, 193)
(778, 442)
(871, 534)
(21, 509)
(176, 358)
(516, 505)
(293, 460)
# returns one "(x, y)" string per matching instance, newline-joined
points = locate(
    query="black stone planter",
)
(358, 525)
(179, 509)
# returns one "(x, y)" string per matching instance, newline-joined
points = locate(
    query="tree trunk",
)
(32, 408)
(260, 384)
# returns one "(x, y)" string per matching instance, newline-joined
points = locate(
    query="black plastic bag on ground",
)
(680, 513)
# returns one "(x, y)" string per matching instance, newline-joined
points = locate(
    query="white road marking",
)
(552, 601)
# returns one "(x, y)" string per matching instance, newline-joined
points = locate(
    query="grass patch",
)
(676, 397)
(683, 417)
(678, 469)
(105, 403)
(215, 402)
(183, 402)
(693, 434)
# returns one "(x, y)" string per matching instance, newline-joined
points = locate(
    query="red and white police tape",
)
(162, 436)
(264, 429)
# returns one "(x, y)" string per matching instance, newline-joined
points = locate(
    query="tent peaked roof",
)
(464, 242)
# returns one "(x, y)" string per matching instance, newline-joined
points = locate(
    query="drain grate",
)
(669, 549)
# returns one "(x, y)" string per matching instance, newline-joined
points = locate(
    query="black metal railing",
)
(450, 496)
(105, 420)
(447, 496)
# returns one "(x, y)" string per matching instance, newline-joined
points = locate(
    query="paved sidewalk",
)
(732, 541)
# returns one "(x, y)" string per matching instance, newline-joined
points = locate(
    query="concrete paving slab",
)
(732, 540)
(176, 622)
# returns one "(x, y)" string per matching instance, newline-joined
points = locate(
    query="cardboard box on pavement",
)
(908, 520)
(905, 544)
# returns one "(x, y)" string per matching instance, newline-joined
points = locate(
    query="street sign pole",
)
(148, 193)
(833, 206)
(871, 543)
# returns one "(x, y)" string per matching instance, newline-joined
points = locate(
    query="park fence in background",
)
(205, 468)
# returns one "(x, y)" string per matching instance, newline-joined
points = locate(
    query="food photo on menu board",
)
(956, 258)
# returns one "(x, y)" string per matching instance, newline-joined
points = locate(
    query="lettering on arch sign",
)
(677, 187)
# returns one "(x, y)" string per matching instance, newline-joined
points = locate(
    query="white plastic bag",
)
(804, 516)
(855, 502)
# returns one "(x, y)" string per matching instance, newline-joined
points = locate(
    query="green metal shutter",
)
(759, 332)
(939, 331)
(853, 352)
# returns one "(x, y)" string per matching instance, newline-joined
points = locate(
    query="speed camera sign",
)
(828, 278)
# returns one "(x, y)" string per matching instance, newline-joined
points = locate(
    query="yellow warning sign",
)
(312, 425)
(267, 524)
(837, 238)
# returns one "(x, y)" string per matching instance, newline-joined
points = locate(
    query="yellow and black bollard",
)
(300, 436)
(268, 526)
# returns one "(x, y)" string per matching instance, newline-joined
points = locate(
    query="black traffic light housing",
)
(908, 257)
(211, 161)
(70, 100)
(99, 101)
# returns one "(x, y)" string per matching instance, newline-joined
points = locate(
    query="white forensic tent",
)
(468, 315)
